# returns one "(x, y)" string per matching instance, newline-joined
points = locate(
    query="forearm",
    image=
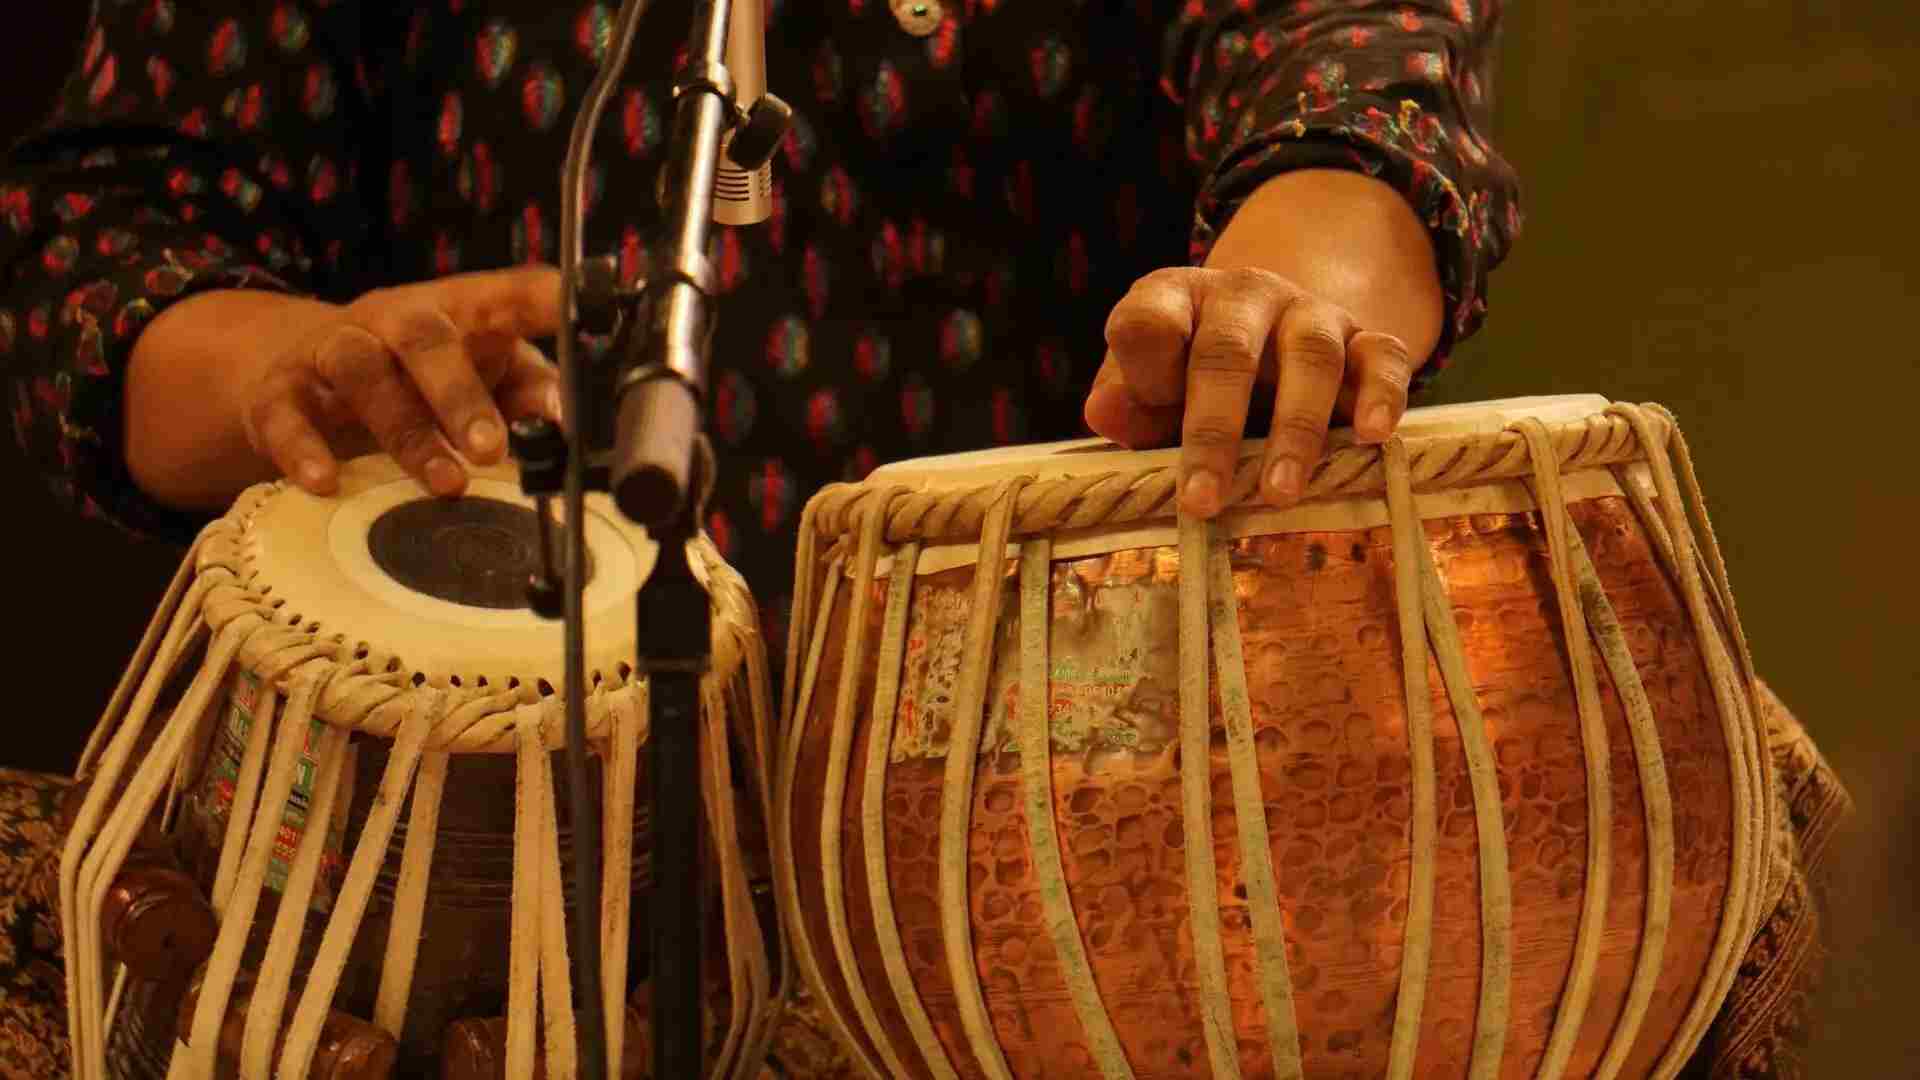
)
(1399, 93)
(130, 203)
(1348, 239)
(186, 444)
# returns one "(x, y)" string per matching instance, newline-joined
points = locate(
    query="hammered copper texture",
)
(1321, 641)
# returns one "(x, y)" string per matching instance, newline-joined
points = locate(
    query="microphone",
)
(743, 194)
(732, 128)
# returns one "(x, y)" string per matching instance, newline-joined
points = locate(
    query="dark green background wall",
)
(1721, 202)
(1721, 217)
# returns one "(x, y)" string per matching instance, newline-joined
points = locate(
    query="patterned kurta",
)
(969, 187)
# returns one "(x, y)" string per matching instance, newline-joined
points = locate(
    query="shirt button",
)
(918, 17)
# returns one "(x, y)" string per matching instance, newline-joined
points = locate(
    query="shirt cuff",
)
(79, 398)
(1471, 225)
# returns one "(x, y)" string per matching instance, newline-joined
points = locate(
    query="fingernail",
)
(443, 475)
(313, 475)
(484, 436)
(1285, 477)
(553, 404)
(1203, 492)
(1378, 420)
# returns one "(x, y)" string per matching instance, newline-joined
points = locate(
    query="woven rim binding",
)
(369, 689)
(1046, 505)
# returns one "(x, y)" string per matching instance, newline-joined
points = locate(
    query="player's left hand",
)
(1189, 347)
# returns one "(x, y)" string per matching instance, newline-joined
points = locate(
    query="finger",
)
(338, 423)
(279, 428)
(1311, 343)
(330, 409)
(358, 367)
(1112, 412)
(1231, 337)
(1378, 373)
(493, 356)
(430, 348)
(520, 302)
(1343, 406)
(530, 388)
(1148, 331)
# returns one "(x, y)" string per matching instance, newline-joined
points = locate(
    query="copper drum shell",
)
(1321, 642)
(462, 969)
(407, 618)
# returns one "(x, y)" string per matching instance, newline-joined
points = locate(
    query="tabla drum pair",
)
(343, 720)
(1453, 768)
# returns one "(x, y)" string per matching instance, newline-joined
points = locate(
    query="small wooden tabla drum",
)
(1450, 769)
(362, 768)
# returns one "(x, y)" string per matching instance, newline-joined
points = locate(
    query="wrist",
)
(1346, 238)
(188, 379)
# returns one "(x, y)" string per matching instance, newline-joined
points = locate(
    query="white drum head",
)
(385, 563)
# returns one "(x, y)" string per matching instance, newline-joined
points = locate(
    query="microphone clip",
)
(756, 130)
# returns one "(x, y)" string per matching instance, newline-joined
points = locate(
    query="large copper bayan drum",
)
(344, 722)
(1451, 769)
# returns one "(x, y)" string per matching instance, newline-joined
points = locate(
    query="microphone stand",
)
(659, 468)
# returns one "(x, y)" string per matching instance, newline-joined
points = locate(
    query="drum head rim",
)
(306, 556)
(1093, 456)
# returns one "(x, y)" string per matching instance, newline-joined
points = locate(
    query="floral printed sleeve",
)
(1397, 90)
(191, 150)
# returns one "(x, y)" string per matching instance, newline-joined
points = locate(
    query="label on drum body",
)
(221, 782)
(1113, 660)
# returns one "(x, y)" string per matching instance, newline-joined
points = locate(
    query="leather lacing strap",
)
(523, 946)
(163, 618)
(1250, 813)
(1036, 767)
(105, 762)
(1752, 805)
(956, 794)
(1196, 806)
(556, 979)
(833, 792)
(747, 976)
(266, 1011)
(800, 610)
(1655, 797)
(799, 714)
(1577, 994)
(537, 963)
(410, 895)
(246, 791)
(622, 763)
(343, 925)
(873, 814)
(1664, 438)
(759, 709)
(1682, 456)
(1772, 872)
(223, 966)
(87, 872)
(1417, 947)
(1491, 1019)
